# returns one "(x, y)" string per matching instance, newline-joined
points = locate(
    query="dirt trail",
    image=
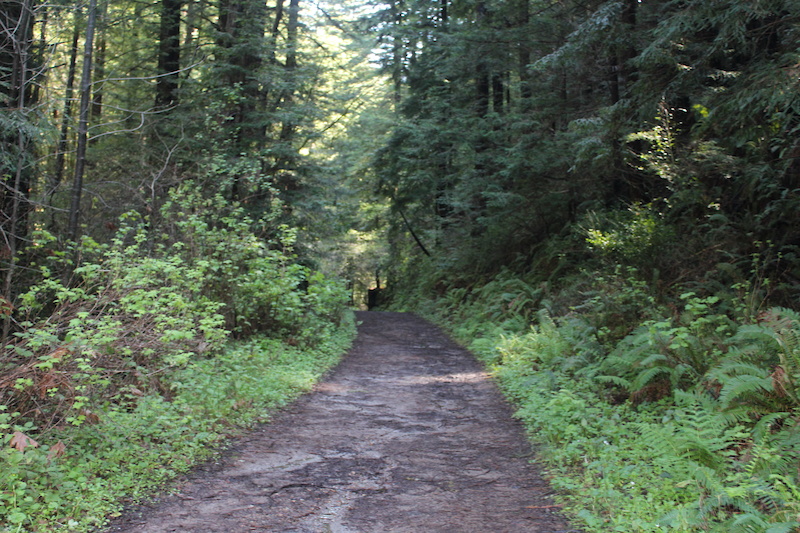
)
(406, 435)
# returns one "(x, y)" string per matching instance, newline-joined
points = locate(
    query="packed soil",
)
(408, 434)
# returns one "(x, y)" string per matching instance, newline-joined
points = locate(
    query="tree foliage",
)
(165, 183)
(518, 120)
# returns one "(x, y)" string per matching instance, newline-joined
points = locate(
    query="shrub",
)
(663, 355)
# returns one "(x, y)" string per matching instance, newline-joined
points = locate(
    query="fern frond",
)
(784, 527)
(747, 522)
(545, 320)
(720, 502)
(755, 343)
(648, 375)
(614, 380)
(764, 424)
(614, 364)
(744, 387)
(652, 359)
(741, 414)
(733, 365)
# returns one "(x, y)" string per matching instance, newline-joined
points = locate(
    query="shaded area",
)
(407, 435)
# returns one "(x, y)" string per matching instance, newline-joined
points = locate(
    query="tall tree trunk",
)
(397, 51)
(275, 33)
(192, 8)
(287, 181)
(41, 50)
(169, 53)
(66, 116)
(498, 93)
(195, 15)
(83, 123)
(291, 34)
(100, 61)
(483, 82)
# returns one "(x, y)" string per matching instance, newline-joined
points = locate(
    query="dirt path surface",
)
(406, 435)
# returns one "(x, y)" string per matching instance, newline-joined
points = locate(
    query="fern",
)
(744, 386)
(648, 375)
(753, 496)
(613, 380)
(764, 426)
(762, 369)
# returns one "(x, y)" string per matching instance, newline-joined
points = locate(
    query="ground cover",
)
(75, 478)
(649, 418)
(150, 353)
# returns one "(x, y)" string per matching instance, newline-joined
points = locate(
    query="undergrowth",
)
(676, 417)
(74, 478)
(158, 346)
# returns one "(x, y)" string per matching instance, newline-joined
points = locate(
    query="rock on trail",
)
(408, 434)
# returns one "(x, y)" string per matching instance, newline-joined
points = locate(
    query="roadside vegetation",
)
(600, 197)
(162, 346)
(171, 208)
(650, 413)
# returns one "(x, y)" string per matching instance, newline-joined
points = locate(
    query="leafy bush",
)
(614, 302)
(129, 364)
(133, 446)
(131, 318)
(635, 237)
(246, 268)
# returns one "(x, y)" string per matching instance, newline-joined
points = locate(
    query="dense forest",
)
(600, 198)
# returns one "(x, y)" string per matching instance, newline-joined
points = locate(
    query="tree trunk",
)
(169, 53)
(40, 52)
(287, 181)
(83, 123)
(100, 62)
(66, 116)
(397, 51)
(483, 82)
(16, 41)
(275, 33)
(498, 93)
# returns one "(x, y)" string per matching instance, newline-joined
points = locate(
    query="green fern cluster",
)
(649, 422)
(661, 356)
(742, 485)
(761, 374)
